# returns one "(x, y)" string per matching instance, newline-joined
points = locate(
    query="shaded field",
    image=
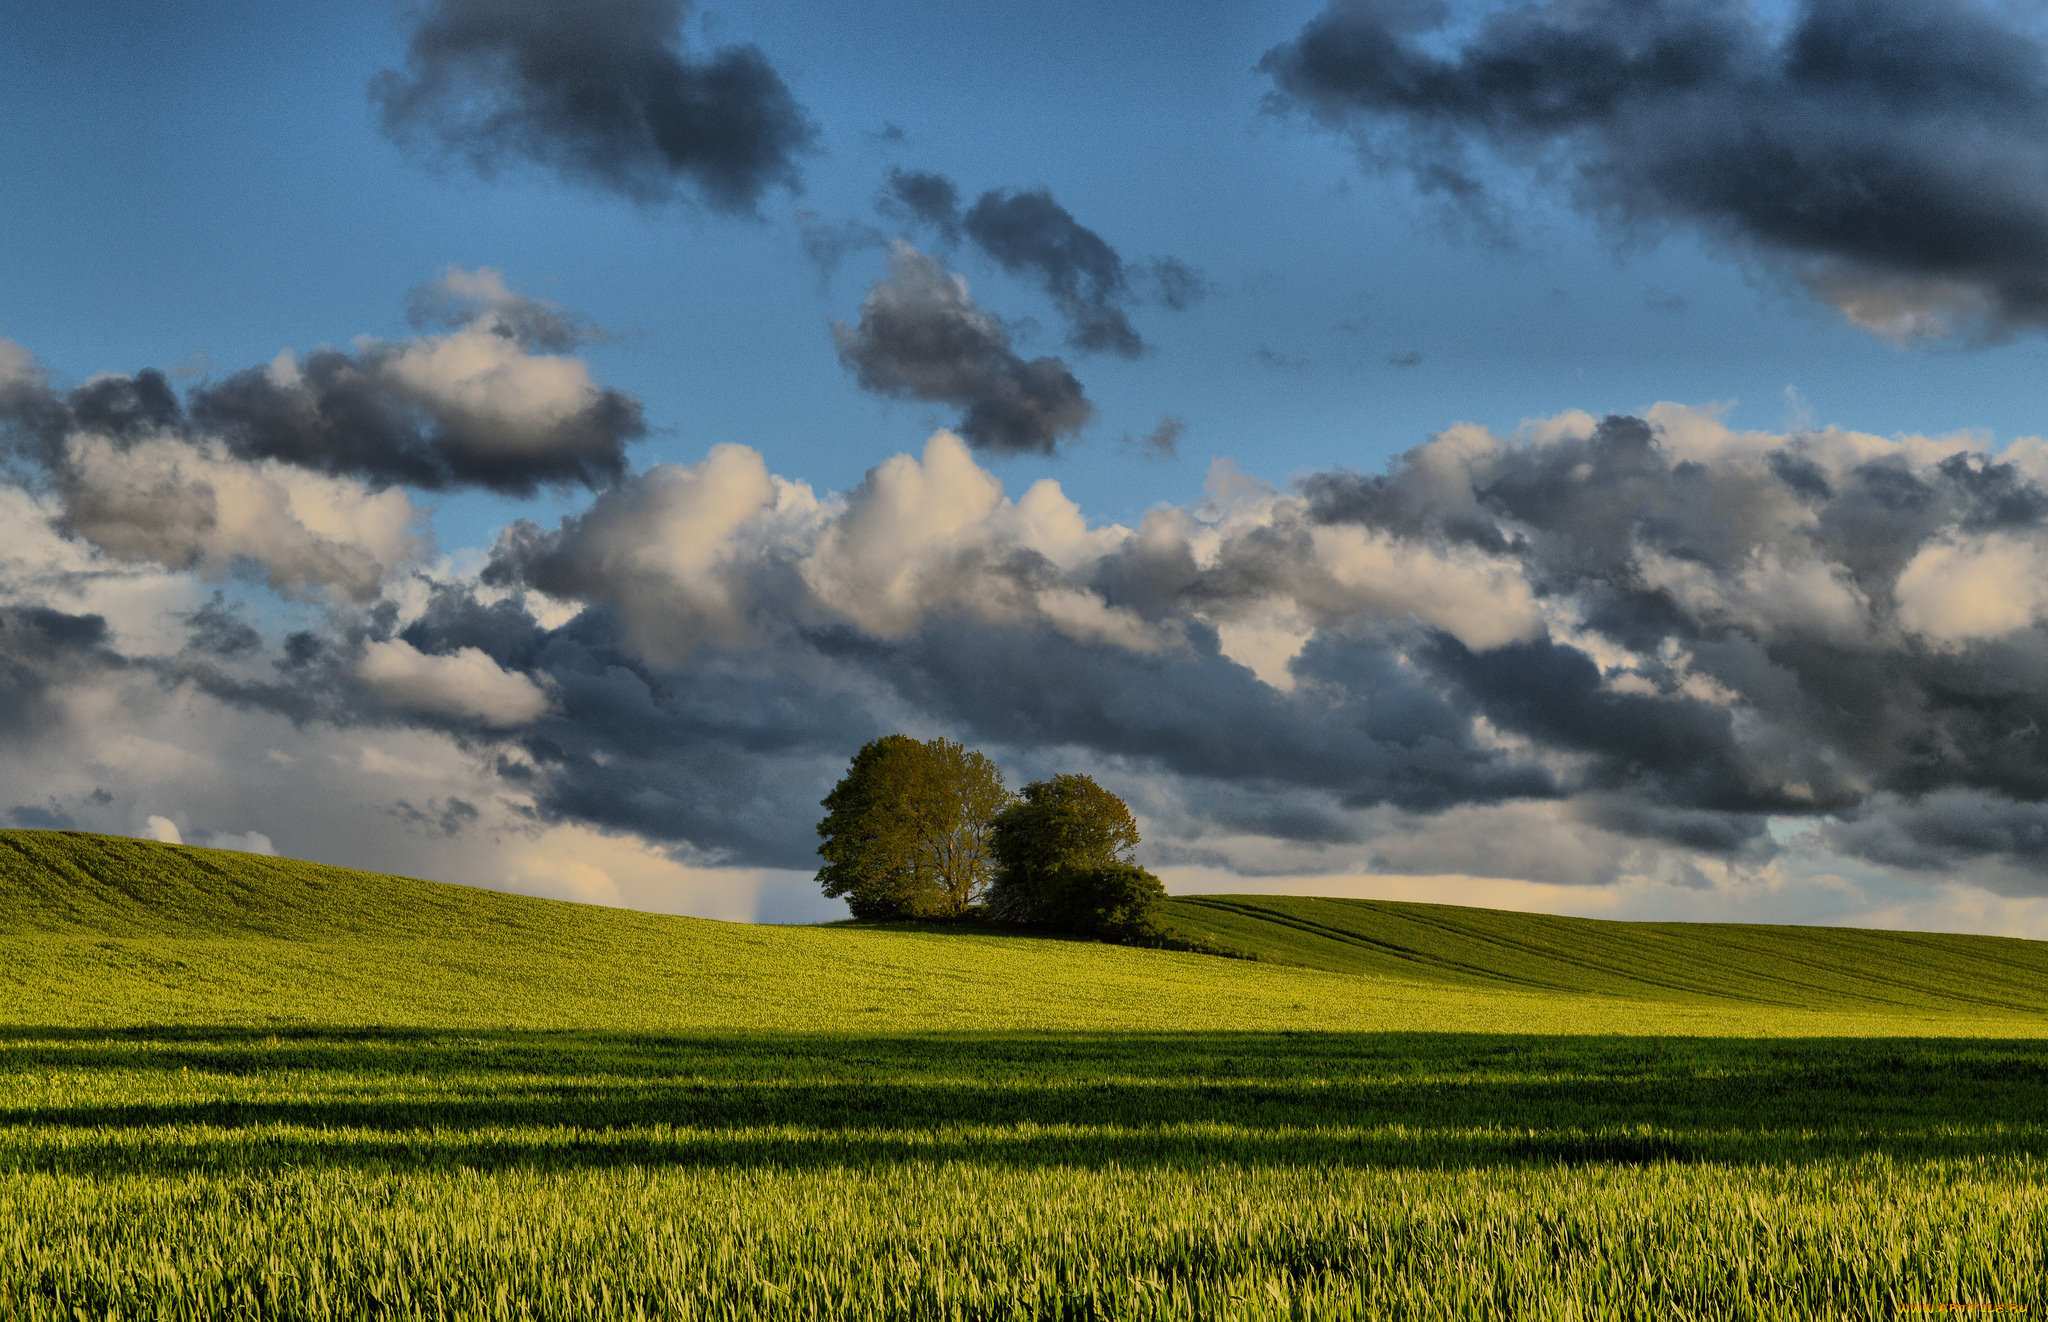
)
(233, 1086)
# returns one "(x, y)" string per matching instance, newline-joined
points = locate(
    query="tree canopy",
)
(1064, 854)
(927, 829)
(906, 830)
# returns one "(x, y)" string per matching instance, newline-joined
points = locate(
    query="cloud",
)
(1678, 632)
(922, 197)
(1965, 588)
(1623, 653)
(683, 551)
(187, 506)
(601, 94)
(827, 244)
(457, 299)
(473, 407)
(1175, 285)
(1884, 153)
(463, 685)
(283, 473)
(1163, 441)
(43, 654)
(1027, 233)
(218, 631)
(163, 829)
(246, 842)
(921, 336)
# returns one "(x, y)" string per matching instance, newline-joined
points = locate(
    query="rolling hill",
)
(101, 930)
(1491, 948)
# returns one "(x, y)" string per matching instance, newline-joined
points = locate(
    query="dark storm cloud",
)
(1738, 630)
(722, 754)
(1886, 151)
(920, 336)
(1949, 831)
(355, 414)
(35, 417)
(41, 651)
(725, 749)
(602, 93)
(1787, 578)
(450, 818)
(1375, 734)
(126, 406)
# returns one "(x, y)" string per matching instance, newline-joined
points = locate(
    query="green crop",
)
(233, 1086)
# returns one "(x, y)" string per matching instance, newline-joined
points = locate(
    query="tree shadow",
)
(168, 1099)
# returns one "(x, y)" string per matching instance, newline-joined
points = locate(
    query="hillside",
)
(98, 930)
(1490, 948)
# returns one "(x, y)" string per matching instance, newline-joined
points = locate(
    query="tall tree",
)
(970, 788)
(906, 830)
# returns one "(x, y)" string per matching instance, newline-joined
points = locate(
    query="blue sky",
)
(198, 191)
(206, 191)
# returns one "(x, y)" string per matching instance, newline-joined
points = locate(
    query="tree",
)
(905, 833)
(974, 794)
(1063, 854)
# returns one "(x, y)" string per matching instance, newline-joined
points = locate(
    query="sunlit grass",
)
(273, 1090)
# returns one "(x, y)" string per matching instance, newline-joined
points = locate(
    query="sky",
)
(1580, 456)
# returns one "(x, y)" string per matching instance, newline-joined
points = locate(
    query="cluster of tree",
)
(927, 829)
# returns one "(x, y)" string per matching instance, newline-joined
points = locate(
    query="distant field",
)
(1488, 950)
(234, 1085)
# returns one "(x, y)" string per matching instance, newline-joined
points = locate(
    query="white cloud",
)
(188, 507)
(164, 829)
(247, 842)
(504, 400)
(465, 684)
(1965, 588)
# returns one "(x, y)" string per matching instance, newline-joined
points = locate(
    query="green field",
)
(232, 1085)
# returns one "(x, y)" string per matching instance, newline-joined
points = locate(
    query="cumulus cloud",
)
(189, 506)
(602, 94)
(1620, 652)
(1884, 152)
(1965, 588)
(1673, 632)
(922, 336)
(463, 685)
(287, 474)
(476, 406)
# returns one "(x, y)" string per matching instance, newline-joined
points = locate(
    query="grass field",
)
(240, 1086)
